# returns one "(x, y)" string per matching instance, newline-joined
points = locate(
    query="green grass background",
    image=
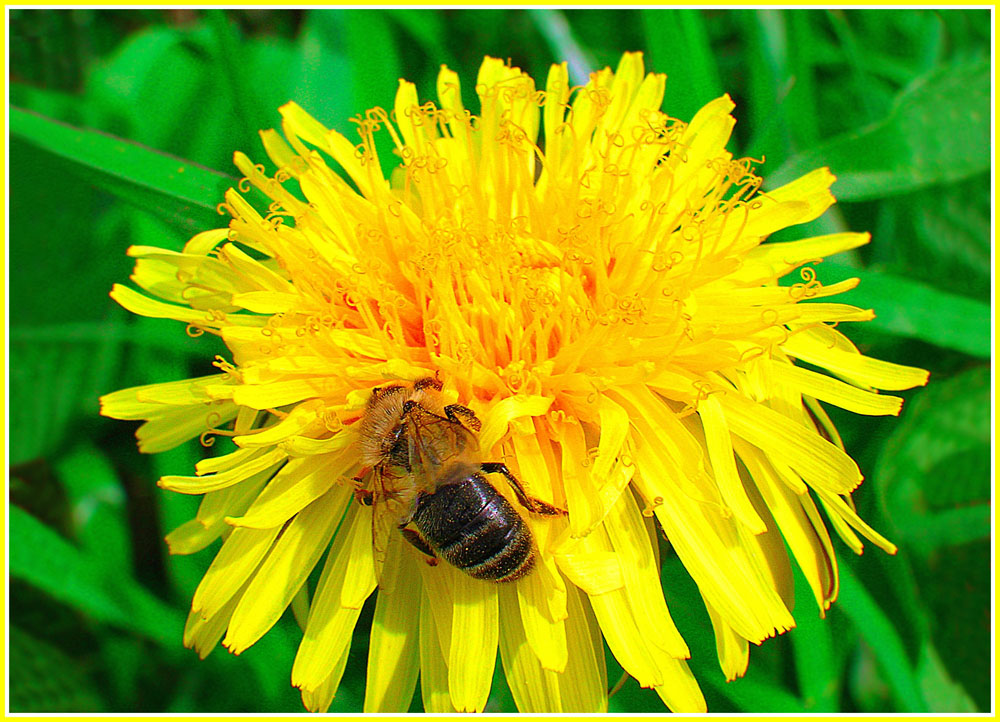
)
(104, 103)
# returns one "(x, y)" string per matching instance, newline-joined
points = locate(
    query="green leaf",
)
(887, 646)
(231, 55)
(42, 558)
(943, 694)
(678, 45)
(348, 63)
(97, 504)
(752, 694)
(177, 190)
(43, 678)
(953, 237)
(934, 469)
(955, 587)
(553, 26)
(768, 75)
(51, 386)
(812, 646)
(155, 333)
(427, 27)
(914, 310)
(153, 68)
(938, 131)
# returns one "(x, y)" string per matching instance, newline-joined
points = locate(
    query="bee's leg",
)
(430, 382)
(458, 414)
(530, 503)
(364, 496)
(413, 536)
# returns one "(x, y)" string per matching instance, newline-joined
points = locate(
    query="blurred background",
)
(107, 105)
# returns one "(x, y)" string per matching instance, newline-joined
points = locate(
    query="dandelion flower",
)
(589, 276)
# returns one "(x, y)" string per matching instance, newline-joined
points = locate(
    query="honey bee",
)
(423, 475)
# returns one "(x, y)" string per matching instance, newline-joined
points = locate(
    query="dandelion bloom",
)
(604, 301)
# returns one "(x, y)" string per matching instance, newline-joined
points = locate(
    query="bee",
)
(423, 475)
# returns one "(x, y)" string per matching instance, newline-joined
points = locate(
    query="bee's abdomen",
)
(477, 530)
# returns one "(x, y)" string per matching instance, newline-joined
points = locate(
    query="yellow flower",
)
(603, 300)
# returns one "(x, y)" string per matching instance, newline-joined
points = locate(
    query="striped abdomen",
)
(474, 528)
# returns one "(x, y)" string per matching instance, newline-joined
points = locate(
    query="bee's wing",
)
(385, 534)
(435, 440)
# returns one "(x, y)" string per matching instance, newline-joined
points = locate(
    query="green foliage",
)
(938, 131)
(122, 132)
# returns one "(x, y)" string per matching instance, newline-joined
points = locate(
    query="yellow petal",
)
(633, 546)
(535, 465)
(720, 453)
(824, 388)
(709, 547)
(320, 699)
(703, 140)
(189, 392)
(231, 569)
(582, 498)
(810, 545)
(554, 116)
(733, 650)
(581, 687)
(298, 484)
(584, 684)
(666, 438)
(217, 505)
(534, 688)
(773, 260)
(144, 306)
(393, 649)
(328, 631)
(498, 417)
(800, 201)
(821, 464)
(298, 420)
(205, 241)
(449, 90)
(299, 124)
(616, 621)
(285, 569)
(766, 551)
(822, 347)
(134, 403)
(280, 152)
(593, 572)
(213, 482)
(304, 446)
(836, 508)
(433, 665)
(473, 653)
(627, 79)
(282, 393)
(226, 462)
(588, 103)
(300, 607)
(407, 108)
(614, 430)
(546, 634)
(266, 302)
(202, 633)
(359, 578)
(192, 536)
(680, 691)
(170, 429)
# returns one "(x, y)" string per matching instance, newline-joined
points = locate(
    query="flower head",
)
(604, 302)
